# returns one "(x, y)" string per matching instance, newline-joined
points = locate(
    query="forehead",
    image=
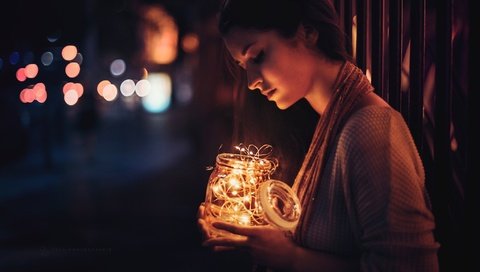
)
(238, 39)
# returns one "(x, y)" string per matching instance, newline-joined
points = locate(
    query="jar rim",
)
(241, 161)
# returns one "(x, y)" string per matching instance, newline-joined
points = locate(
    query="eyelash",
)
(259, 58)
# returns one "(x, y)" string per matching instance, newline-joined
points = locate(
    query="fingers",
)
(228, 242)
(237, 229)
(201, 210)
(204, 228)
(223, 248)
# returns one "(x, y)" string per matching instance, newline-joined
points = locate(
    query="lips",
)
(268, 93)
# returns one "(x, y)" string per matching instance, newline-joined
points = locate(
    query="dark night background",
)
(129, 201)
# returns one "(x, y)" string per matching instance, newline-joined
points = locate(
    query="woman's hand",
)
(267, 245)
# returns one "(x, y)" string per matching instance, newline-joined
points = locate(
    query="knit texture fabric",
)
(370, 202)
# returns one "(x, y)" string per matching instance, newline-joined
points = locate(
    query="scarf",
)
(350, 85)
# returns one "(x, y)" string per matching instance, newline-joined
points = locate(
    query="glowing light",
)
(101, 85)
(144, 73)
(79, 88)
(160, 35)
(40, 92)
(69, 52)
(53, 37)
(67, 87)
(117, 67)
(71, 97)
(143, 87)
(127, 88)
(230, 197)
(21, 75)
(47, 58)
(110, 92)
(14, 58)
(28, 95)
(72, 69)
(31, 70)
(190, 42)
(158, 100)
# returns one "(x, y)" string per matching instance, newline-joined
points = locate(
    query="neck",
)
(322, 88)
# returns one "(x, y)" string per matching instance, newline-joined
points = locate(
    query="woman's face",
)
(281, 69)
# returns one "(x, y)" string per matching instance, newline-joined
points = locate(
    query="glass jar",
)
(240, 191)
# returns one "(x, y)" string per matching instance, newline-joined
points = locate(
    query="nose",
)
(254, 79)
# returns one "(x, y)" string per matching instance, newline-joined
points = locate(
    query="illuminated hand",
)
(267, 245)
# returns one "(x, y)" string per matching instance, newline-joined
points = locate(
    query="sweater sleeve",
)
(385, 183)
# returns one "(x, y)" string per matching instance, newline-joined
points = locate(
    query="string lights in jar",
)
(240, 191)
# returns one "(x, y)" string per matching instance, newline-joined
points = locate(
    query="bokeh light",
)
(69, 52)
(190, 42)
(117, 67)
(71, 97)
(40, 92)
(20, 74)
(31, 70)
(110, 92)
(127, 88)
(72, 69)
(143, 87)
(101, 85)
(47, 58)
(14, 58)
(159, 97)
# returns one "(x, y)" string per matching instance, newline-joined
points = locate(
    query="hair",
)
(257, 121)
(285, 17)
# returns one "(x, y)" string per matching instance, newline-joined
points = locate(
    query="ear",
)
(309, 34)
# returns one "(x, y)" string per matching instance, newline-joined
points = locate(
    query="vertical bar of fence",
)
(378, 46)
(340, 8)
(417, 69)
(347, 21)
(395, 52)
(362, 34)
(443, 108)
(473, 147)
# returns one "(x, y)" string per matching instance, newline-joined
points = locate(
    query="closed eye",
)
(259, 58)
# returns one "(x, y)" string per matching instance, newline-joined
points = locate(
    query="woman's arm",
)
(276, 249)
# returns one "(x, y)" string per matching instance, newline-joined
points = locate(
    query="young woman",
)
(361, 184)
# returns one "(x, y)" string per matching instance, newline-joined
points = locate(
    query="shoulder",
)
(378, 136)
(373, 124)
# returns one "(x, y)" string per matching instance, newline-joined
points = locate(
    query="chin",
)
(282, 106)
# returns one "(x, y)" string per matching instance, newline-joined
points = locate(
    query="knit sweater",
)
(371, 203)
